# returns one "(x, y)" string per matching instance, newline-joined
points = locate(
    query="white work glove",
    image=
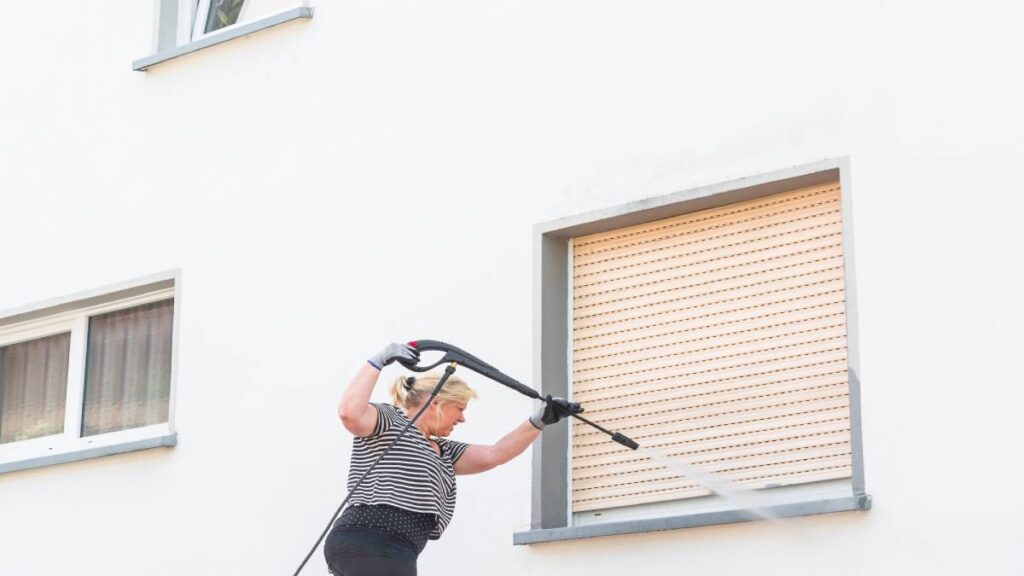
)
(392, 352)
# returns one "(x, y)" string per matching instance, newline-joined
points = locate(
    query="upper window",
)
(715, 331)
(185, 26)
(87, 374)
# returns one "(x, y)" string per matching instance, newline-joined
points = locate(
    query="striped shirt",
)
(412, 476)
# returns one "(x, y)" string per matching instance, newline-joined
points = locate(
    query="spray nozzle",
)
(625, 441)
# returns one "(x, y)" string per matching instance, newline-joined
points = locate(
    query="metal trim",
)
(852, 327)
(108, 293)
(166, 25)
(689, 521)
(693, 200)
(296, 13)
(167, 440)
(551, 329)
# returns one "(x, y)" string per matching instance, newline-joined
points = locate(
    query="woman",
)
(409, 497)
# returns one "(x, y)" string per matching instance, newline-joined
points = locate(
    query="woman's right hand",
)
(392, 352)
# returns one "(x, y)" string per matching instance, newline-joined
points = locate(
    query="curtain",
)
(33, 387)
(128, 368)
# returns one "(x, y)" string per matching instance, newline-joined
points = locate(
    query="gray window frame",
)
(550, 498)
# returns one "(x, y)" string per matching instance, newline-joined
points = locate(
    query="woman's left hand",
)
(552, 410)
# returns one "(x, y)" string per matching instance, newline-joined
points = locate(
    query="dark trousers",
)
(357, 551)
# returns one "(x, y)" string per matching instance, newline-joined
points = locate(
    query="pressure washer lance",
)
(463, 358)
(453, 357)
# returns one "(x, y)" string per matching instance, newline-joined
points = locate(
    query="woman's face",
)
(447, 416)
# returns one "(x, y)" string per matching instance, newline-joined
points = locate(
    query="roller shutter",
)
(718, 337)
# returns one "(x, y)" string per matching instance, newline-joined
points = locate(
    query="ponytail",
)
(410, 391)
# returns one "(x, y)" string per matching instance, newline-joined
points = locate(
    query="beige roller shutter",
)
(718, 337)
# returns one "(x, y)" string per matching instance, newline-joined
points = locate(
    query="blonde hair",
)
(409, 391)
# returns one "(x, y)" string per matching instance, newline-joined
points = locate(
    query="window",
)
(184, 26)
(88, 376)
(714, 328)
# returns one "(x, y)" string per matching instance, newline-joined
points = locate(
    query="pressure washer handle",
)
(463, 358)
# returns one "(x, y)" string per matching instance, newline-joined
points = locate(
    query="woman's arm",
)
(478, 458)
(482, 458)
(354, 409)
(357, 414)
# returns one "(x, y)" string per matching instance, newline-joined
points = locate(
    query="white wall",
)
(374, 174)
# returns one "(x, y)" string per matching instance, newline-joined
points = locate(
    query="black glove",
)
(552, 410)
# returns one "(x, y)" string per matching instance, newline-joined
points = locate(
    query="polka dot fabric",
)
(412, 526)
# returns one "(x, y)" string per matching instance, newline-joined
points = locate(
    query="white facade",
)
(374, 174)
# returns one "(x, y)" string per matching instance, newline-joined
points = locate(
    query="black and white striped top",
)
(412, 476)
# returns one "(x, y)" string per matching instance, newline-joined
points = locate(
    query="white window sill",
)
(224, 35)
(59, 449)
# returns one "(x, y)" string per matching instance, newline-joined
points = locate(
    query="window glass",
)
(223, 13)
(128, 368)
(33, 388)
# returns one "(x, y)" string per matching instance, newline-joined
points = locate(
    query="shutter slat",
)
(791, 335)
(805, 223)
(644, 422)
(746, 457)
(686, 284)
(676, 438)
(820, 308)
(688, 398)
(818, 474)
(754, 474)
(631, 237)
(827, 374)
(667, 326)
(591, 322)
(622, 463)
(760, 356)
(711, 419)
(780, 366)
(613, 286)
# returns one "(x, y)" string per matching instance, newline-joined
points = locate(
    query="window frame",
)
(552, 518)
(72, 314)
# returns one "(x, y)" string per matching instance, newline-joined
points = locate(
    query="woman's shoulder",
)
(445, 440)
(453, 448)
(391, 411)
